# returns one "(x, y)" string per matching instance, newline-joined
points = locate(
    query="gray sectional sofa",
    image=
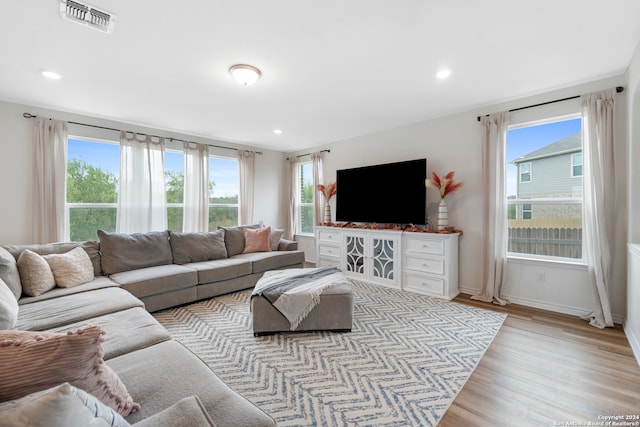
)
(138, 273)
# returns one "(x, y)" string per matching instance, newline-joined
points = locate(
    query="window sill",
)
(547, 262)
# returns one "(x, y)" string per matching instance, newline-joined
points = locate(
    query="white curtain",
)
(246, 167)
(49, 185)
(316, 163)
(196, 188)
(292, 220)
(494, 254)
(599, 197)
(142, 203)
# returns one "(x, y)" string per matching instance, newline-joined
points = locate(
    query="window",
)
(93, 168)
(545, 216)
(174, 188)
(306, 193)
(224, 188)
(525, 172)
(576, 164)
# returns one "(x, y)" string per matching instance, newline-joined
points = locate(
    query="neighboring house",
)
(553, 171)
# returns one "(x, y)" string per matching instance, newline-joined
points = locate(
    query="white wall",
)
(16, 168)
(632, 323)
(453, 143)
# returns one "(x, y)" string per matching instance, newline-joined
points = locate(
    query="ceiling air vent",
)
(85, 14)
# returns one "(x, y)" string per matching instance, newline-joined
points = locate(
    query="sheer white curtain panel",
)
(49, 193)
(196, 188)
(142, 203)
(316, 164)
(494, 254)
(294, 197)
(246, 169)
(599, 198)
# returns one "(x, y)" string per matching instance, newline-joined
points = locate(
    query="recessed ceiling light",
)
(52, 75)
(443, 74)
(245, 74)
(277, 131)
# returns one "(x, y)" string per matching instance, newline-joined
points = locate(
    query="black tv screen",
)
(392, 193)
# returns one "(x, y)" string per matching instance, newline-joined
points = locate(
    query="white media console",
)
(425, 263)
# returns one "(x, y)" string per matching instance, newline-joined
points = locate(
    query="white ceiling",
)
(332, 69)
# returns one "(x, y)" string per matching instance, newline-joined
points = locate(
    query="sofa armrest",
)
(287, 245)
(186, 412)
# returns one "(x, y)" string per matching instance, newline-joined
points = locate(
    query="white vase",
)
(443, 216)
(327, 213)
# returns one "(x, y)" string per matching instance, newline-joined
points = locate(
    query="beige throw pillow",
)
(35, 274)
(274, 238)
(8, 307)
(71, 268)
(35, 361)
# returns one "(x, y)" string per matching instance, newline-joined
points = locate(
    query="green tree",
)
(89, 184)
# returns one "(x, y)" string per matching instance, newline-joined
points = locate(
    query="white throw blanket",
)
(296, 291)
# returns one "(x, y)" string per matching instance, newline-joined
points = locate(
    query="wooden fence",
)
(560, 242)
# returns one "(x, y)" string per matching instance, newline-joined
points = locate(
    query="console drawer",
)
(426, 265)
(329, 236)
(425, 246)
(329, 250)
(424, 284)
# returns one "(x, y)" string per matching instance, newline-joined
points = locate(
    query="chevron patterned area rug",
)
(403, 364)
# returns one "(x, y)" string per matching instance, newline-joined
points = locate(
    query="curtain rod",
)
(618, 90)
(308, 154)
(31, 116)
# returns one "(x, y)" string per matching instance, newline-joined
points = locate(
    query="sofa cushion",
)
(221, 269)
(95, 283)
(156, 280)
(70, 268)
(147, 372)
(126, 331)
(8, 307)
(35, 361)
(92, 248)
(35, 274)
(264, 261)
(9, 272)
(124, 252)
(186, 412)
(196, 247)
(56, 312)
(257, 240)
(62, 405)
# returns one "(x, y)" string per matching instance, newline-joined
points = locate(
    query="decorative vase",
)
(327, 213)
(443, 216)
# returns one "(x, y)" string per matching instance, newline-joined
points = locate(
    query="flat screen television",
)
(391, 193)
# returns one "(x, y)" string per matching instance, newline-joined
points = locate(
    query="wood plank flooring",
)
(546, 369)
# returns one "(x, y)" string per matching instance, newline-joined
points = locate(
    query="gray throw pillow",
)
(125, 252)
(9, 272)
(8, 307)
(234, 238)
(197, 247)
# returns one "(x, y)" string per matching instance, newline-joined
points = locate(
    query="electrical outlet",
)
(540, 277)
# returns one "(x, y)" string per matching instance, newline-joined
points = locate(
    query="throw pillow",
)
(63, 405)
(9, 272)
(257, 240)
(8, 307)
(35, 274)
(197, 247)
(234, 238)
(125, 252)
(274, 238)
(71, 268)
(35, 361)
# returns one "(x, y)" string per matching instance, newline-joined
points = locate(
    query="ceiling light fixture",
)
(51, 75)
(277, 131)
(245, 74)
(443, 74)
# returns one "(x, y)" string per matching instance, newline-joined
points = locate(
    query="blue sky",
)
(106, 156)
(525, 140)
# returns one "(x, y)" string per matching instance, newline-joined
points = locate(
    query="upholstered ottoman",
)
(334, 312)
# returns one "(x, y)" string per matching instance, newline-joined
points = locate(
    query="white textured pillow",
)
(71, 268)
(35, 274)
(63, 405)
(8, 307)
(274, 238)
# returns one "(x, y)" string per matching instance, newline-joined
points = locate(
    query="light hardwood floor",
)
(546, 369)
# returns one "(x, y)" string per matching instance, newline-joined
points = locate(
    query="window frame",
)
(520, 173)
(236, 206)
(299, 203)
(573, 165)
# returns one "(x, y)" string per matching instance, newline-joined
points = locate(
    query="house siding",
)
(551, 177)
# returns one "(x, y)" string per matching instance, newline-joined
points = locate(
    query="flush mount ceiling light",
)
(443, 74)
(245, 74)
(51, 75)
